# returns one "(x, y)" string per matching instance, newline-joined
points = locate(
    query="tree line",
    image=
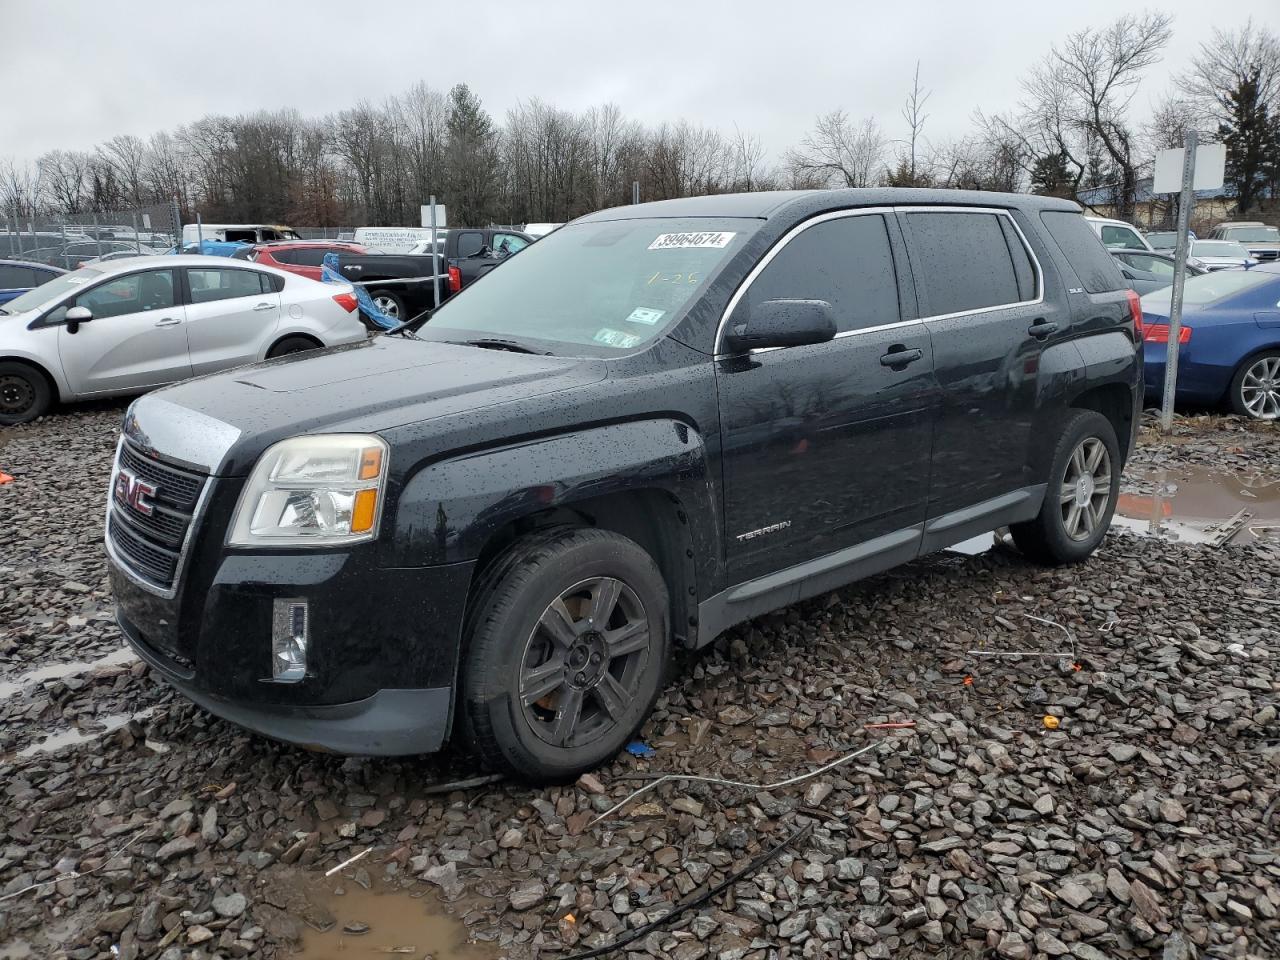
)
(1075, 126)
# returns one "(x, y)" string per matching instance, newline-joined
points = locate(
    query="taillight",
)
(1159, 333)
(455, 279)
(347, 301)
(1135, 307)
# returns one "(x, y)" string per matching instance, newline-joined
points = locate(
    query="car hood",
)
(221, 423)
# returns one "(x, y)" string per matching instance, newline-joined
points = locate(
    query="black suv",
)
(657, 422)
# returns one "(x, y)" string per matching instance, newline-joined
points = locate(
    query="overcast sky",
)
(76, 73)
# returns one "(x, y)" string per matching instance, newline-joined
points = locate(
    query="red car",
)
(302, 257)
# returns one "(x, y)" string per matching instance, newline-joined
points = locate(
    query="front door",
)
(828, 445)
(981, 295)
(135, 340)
(232, 312)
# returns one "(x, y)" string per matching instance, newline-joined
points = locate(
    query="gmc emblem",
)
(133, 492)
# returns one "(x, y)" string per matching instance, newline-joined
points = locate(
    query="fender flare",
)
(52, 371)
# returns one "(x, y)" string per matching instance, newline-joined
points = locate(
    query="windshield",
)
(37, 297)
(598, 288)
(1207, 288)
(1254, 234)
(1218, 248)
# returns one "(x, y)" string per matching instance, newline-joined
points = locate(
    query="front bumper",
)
(388, 723)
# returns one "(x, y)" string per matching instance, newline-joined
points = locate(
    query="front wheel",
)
(1080, 499)
(24, 394)
(1255, 389)
(566, 650)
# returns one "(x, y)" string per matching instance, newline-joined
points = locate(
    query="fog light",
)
(289, 623)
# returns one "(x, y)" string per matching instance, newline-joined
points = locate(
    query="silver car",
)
(128, 326)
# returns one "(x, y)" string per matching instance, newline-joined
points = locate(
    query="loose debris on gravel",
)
(1115, 798)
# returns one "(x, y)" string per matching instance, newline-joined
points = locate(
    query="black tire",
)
(1058, 535)
(292, 345)
(24, 393)
(390, 303)
(507, 646)
(1263, 369)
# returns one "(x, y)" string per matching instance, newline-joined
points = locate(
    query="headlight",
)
(313, 491)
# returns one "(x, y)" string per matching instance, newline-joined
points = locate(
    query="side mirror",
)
(782, 323)
(76, 316)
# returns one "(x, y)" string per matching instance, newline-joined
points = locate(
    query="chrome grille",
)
(150, 544)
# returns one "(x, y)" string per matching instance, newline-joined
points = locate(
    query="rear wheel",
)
(24, 393)
(567, 648)
(1255, 389)
(391, 304)
(1083, 485)
(292, 345)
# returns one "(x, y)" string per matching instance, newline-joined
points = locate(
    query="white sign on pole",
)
(442, 219)
(1211, 168)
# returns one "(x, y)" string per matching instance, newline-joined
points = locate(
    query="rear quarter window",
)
(962, 261)
(1093, 264)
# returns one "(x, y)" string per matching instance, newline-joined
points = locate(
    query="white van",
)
(1118, 235)
(395, 239)
(237, 232)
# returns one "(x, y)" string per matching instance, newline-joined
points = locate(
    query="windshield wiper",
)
(515, 346)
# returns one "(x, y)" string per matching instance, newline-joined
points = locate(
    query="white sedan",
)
(128, 326)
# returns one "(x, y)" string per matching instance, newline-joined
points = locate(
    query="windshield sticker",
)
(646, 315)
(615, 338)
(77, 280)
(669, 241)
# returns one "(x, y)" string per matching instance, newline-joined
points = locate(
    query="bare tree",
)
(914, 115)
(65, 174)
(838, 153)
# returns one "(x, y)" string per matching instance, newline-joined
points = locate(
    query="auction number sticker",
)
(615, 338)
(645, 315)
(714, 241)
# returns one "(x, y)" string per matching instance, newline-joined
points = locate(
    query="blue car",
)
(18, 276)
(1229, 347)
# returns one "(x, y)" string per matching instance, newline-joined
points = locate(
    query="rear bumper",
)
(393, 722)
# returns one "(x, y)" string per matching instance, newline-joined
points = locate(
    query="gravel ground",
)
(1115, 798)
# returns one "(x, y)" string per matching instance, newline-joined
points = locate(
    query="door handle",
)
(353, 266)
(899, 356)
(1041, 328)
(168, 322)
(264, 306)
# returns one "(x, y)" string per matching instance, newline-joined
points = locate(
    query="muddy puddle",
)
(1196, 505)
(72, 736)
(387, 923)
(60, 671)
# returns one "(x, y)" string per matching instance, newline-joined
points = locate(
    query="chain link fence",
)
(71, 240)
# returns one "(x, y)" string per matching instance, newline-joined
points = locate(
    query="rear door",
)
(826, 446)
(135, 340)
(981, 294)
(231, 314)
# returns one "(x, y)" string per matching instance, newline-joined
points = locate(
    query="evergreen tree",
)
(472, 158)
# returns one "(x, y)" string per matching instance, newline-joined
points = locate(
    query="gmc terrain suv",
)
(657, 422)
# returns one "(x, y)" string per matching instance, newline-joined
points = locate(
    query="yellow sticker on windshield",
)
(615, 338)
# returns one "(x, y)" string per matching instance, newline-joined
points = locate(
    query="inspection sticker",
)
(615, 338)
(668, 241)
(646, 315)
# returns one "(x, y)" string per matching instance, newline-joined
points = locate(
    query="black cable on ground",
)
(696, 901)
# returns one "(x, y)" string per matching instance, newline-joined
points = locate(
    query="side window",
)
(470, 244)
(847, 261)
(312, 256)
(18, 277)
(1095, 268)
(211, 284)
(505, 244)
(961, 261)
(1023, 269)
(1120, 237)
(135, 293)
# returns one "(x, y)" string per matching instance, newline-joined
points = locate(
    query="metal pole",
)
(177, 226)
(635, 191)
(97, 235)
(435, 255)
(1179, 279)
(137, 239)
(199, 234)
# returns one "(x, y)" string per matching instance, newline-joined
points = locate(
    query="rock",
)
(356, 928)
(1171, 811)
(1047, 943)
(590, 783)
(1146, 902)
(1122, 752)
(1043, 805)
(198, 934)
(177, 847)
(734, 716)
(230, 906)
(209, 825)
(114, 921)
(528, 895)
(687, 805)
(510, 839)
(943, 845)
(1117, 885)
(1014, 947)
(1075, 894)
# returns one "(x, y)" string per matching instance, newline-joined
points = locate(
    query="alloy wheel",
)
(1085, 492)
(16, 394)
(1260, 388)
(388, 306)
(584, 662)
